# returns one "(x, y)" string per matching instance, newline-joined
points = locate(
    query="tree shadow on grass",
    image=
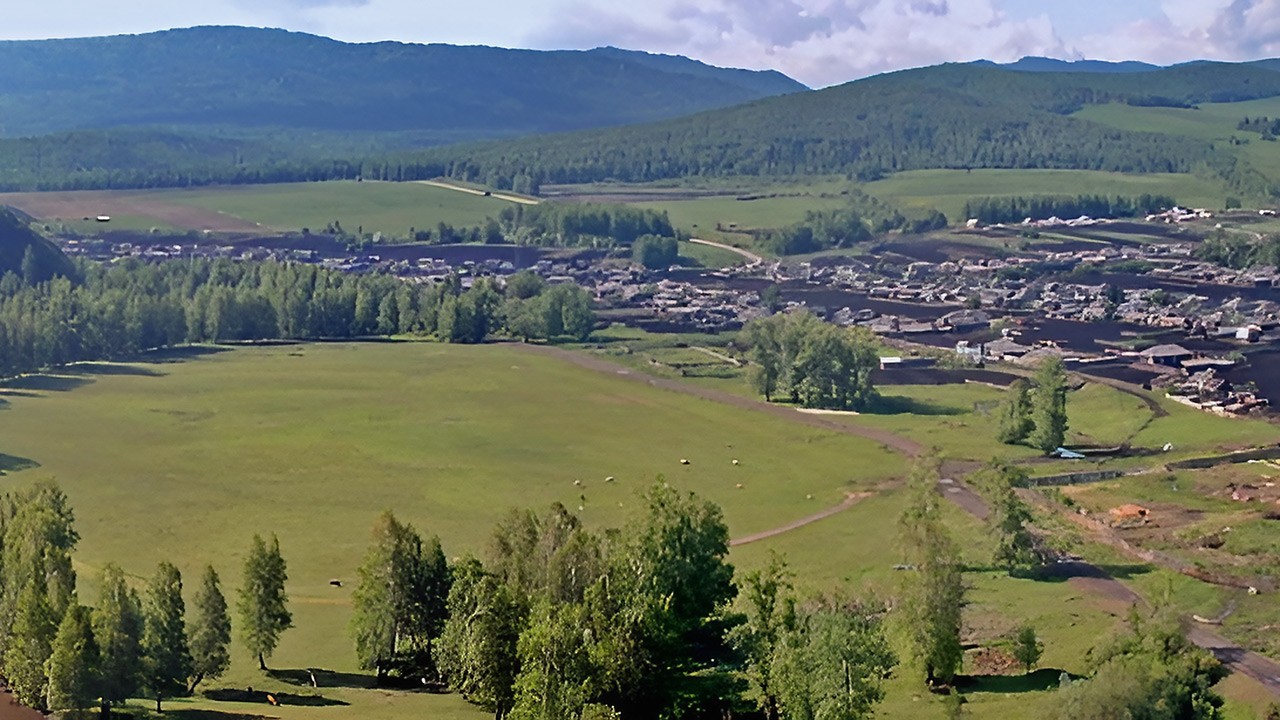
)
(1063, 571)
(13, 463)
(901, 405)
(265, 697)
(103, 368)
(48, 383)
(202, 714)
(185, 352)
(324, 678)
(1038, 681)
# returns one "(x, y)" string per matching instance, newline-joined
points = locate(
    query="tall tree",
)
(1049, 406)
(830, 666)
(1015, 414)
(210, 631)
(1027, 648)
(401, 602)
(263, 604)
(1010, 517)
(117, 627)
(166, 656)
(770, 615)
(478, 649)
(30, 645)
(934, 596)
(73, 666)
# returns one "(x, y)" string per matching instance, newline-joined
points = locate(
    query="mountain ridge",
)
(255, 78)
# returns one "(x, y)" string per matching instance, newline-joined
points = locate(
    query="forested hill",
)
(948, 116)
(237, 78)
(26, 254)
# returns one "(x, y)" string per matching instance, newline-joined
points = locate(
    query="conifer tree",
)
(210, 631)
(166, 659)
(263, 605)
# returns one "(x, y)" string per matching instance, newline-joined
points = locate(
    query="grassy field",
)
(1215, 122)
(389, 208)
(311, 441)
(949, 190)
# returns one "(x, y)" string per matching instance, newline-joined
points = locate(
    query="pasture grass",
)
(389, 208)
(949, 190)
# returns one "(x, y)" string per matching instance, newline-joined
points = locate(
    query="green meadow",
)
(949, 190)
(389, 208)
(184, 460)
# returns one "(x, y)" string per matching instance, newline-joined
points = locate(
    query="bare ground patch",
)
(157, 206)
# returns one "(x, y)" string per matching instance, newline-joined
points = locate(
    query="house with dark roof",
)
(1170, 355)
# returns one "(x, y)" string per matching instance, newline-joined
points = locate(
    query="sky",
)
(819, 42)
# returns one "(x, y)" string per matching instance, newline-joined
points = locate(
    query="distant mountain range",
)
(246, 81)
(1053, 65)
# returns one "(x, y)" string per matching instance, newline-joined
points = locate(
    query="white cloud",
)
(1195, 29)
(820, 42)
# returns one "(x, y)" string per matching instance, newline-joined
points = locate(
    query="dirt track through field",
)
(482, 193)
(751, 257)
(1085, 576)
(850, 500)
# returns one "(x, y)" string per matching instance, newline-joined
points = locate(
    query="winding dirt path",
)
(1083, 575)
(751, 257)
(850, 500)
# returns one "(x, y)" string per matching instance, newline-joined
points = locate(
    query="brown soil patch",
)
(994, 661)
(80, 204)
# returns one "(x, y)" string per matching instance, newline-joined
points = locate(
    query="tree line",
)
(58, 654)
(992, 210)
(119, 310)
(812, 363)
(569, 224)
(1240, 251)
(1266, 127)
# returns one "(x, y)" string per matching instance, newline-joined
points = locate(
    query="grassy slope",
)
(948, 190)
(311, 441)
(390, 208)
(1215, 122)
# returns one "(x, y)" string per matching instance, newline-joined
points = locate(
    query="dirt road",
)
(751, 257)
(11, 710)
(850, 500)
(483, 193)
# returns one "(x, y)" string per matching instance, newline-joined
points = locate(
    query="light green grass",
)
(949, 190)
(313, 441)
(700, 216)
(389, 208)
(1214, 122)
(708, 257)
(1105, 416)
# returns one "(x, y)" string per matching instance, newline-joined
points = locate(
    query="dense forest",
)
(1266, 127)
(252, 79)
(118, 311)
(948, 116)
(1016, 209)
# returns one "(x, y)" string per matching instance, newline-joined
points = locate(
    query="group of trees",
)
(655, 252)
(1035, 412)
(1042, 207)
(1151, 671)
(119, 310)
(1017, 549)
(1268, 128)
(862, 217)
(558, 622)
(60, 655)
(812, 363)
(567, 224)
(1240, 251)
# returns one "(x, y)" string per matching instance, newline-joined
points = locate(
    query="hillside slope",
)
(948, 116)
(15, 240)
(244, 78)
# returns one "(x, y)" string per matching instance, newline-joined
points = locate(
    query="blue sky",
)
(820, 42)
